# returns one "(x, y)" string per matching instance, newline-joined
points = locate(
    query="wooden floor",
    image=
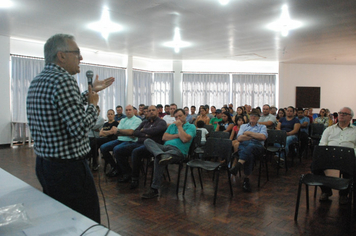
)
(268, 210)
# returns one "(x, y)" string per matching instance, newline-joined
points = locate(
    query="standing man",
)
(178, 138)
(152, 128)
(342, 134)
(119, 115)
(251, 137)
(267, 119)
(59, 124)
(170, 119)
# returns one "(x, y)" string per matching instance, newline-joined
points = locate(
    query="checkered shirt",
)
(56, 115)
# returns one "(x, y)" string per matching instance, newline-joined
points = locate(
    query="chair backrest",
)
(217, 149)
(334, 157)
(197, 139)
(209, 128)
(219, 134)
(316, 130)
(276, 136)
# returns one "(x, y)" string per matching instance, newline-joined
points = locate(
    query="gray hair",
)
(352, 112)
(54, 44)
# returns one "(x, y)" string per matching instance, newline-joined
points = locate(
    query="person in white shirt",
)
(267, 119)
(341, 134)
(170, 119)
(204, 131)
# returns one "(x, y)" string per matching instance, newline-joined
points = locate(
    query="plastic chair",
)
(216, 151)
(329, 157)
(277, 136)
(210, 128)
(220, 134)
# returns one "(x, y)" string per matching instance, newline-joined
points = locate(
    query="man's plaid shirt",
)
(56, 115)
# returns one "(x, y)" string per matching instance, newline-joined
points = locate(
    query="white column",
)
(129, 90)
(5, 117)
(177, 83)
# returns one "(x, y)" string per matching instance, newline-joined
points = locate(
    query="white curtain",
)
(254, 90)
(142, 88)
(201, 89)
(108, 98)
(162, 88)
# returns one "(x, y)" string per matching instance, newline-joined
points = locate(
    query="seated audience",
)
(342, 134)
(203, 116)
(322, 118)
(189, 116)
(215, 121)
(251, 137)
(281, 113)
(273, 110)
(141, 112)
(169, 119)
(207, 112)
(178, 138)
(213, 111)
(167, 110)
(193, 114)
(304, 129)
(291, 125)
(160, 111)
(267, 119)
(235, 130)
(226, 123)
(240, 111)
(119, 115)
(204, 131)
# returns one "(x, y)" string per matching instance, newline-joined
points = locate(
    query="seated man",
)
(267, 119)
(251, 137)
(119, 115)
(341, 134)
(153, 127)
(169, 119)
(189, 116)
(291, 125)
(304, 129)
(178, 138)
(215, 121)
(124, 132)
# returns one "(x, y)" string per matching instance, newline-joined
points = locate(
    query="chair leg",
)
(259, 174)
(192, 174)
(298, 200)
(315, 190)
(201, 182)
(307, 195)
(266, 163)
(185, 178)
(178, 178)
(228, 177)
(168, 175)
(146, 172)
(285, 159)
(216, 185)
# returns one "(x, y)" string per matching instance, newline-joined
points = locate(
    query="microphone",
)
(90, 75)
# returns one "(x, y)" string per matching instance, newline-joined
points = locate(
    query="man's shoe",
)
(134, 184)
(246, 185)
(343, 200)
(233, 170)
(113, 173)
(151, 193)
(95, 167)
(165, 159)
(124, 179)
(324, 197)
(282, 164)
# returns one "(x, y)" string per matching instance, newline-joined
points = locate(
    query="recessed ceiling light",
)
(224, 2)
(105, 26)
(6, 3)
(284, 24)
(177, 43)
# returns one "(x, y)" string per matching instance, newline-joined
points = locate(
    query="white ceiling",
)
(236, 31)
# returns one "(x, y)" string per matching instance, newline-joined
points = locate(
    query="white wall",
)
(337, 82)
(5, 117)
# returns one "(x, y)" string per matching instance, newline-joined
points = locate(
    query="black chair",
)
(329, 157)
(219, 134)
(277, 136)
(210, 128)
(316, 131)
(216, 156)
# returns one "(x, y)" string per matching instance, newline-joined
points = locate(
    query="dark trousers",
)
(95, 144)
(70, 183)
(248, 150)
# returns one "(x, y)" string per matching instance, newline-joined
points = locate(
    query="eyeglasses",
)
(343, 113)
(74, 51)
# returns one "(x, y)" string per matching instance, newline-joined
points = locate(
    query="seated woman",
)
(203, 116)
(104, 137)
(240, 112)
(226, 124)
(239, 120)
(322, 118)
(291, 125)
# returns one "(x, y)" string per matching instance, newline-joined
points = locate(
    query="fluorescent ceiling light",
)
(224, 2)
(284, 24)
(6, 3)
(105, 26)
(177, 43)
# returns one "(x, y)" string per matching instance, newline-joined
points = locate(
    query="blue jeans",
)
(290, 139)
(122, 153)
(248, 150)
(105, 150)
(70, 183)
(158, 149)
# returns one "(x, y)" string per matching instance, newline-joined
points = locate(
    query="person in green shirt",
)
(214, 121)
